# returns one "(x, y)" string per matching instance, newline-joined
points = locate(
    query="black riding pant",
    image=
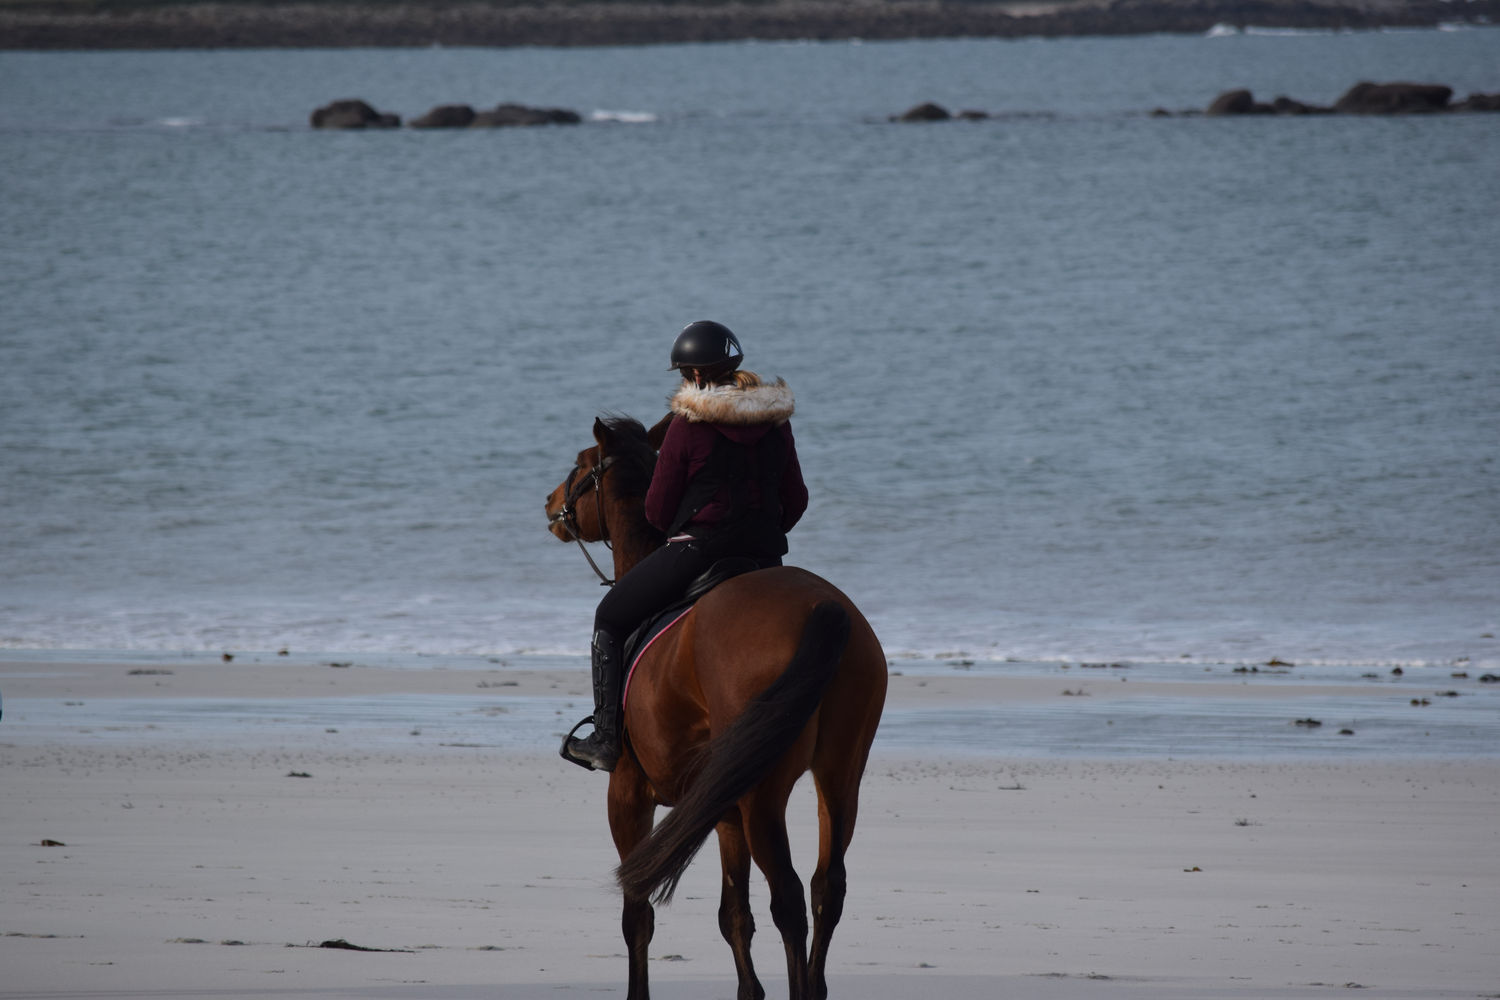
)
(652, 584)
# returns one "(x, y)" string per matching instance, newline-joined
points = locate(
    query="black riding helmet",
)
(710, 347)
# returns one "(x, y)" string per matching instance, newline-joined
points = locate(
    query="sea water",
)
(1074, 383)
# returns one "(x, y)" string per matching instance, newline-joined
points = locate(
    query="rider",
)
(727, 483)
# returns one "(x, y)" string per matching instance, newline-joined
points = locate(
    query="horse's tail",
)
(739, 757)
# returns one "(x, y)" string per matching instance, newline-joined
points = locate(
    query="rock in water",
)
(503, 115)
(928, 112)
(446, 116)
(1394, 99)
(352, 114)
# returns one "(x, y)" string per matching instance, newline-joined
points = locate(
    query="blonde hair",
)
(735, 379)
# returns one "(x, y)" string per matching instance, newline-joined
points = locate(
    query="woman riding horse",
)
(771, 676)
(727, 483)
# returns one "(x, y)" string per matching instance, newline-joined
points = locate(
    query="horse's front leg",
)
(638, 921)
(736, 922)
(631, 810)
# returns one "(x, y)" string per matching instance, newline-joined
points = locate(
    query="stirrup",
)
(563, 750)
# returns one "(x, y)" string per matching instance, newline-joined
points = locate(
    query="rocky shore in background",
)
(340, 25)
(355, 113)
(1362, 99)
(1365, 98)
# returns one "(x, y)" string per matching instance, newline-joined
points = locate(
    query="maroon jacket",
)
(700, 418)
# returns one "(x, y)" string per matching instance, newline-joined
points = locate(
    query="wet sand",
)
(165, 860)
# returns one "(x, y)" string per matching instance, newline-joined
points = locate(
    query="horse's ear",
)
(658, 434)
(601, 434)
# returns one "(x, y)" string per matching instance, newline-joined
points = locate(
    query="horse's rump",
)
(737, 758)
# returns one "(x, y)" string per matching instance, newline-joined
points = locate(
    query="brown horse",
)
(772, 674)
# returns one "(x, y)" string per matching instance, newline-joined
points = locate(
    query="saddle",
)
(640, 640)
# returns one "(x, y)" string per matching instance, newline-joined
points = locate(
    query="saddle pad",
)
(656, 631)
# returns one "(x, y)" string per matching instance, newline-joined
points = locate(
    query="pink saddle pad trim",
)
(644, 650)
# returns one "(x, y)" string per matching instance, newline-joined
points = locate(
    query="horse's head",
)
(573, 507)
(617, 467)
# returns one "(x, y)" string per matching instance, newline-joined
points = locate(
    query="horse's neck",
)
(633, 537)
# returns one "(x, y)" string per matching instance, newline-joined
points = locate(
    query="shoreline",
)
(338, 25)
(190, 860)
(1035, 712)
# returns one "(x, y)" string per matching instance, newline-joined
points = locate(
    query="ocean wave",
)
(623, 117)
(1223, 30)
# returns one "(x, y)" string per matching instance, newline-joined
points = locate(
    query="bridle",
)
(573, 490)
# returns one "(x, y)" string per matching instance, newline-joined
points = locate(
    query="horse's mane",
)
(635, 459)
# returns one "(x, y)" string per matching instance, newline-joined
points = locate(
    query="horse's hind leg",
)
(736, 922)
(836, 813)
(765, 828)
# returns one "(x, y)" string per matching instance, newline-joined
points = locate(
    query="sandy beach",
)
(202, 860)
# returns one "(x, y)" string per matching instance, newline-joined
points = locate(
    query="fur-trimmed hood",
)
(768, 403)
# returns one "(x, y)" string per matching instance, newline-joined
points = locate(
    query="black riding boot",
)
(601, 750)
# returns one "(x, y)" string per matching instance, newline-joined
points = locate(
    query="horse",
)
(772, 674)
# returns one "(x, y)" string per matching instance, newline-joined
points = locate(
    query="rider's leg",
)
(654, 583)
(601, 750)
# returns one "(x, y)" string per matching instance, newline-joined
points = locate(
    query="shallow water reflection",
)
(1376, 725)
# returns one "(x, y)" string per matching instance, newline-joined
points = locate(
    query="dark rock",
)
(1479, 102)
(352, 114)
(1394, 99)
(343, 945)
(1232, 102)
(928, 112)
(974, 116)
(503, 115)
(1288, 106)
(446, 116)
(560, 116)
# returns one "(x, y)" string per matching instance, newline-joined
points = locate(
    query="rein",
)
(567, 516)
